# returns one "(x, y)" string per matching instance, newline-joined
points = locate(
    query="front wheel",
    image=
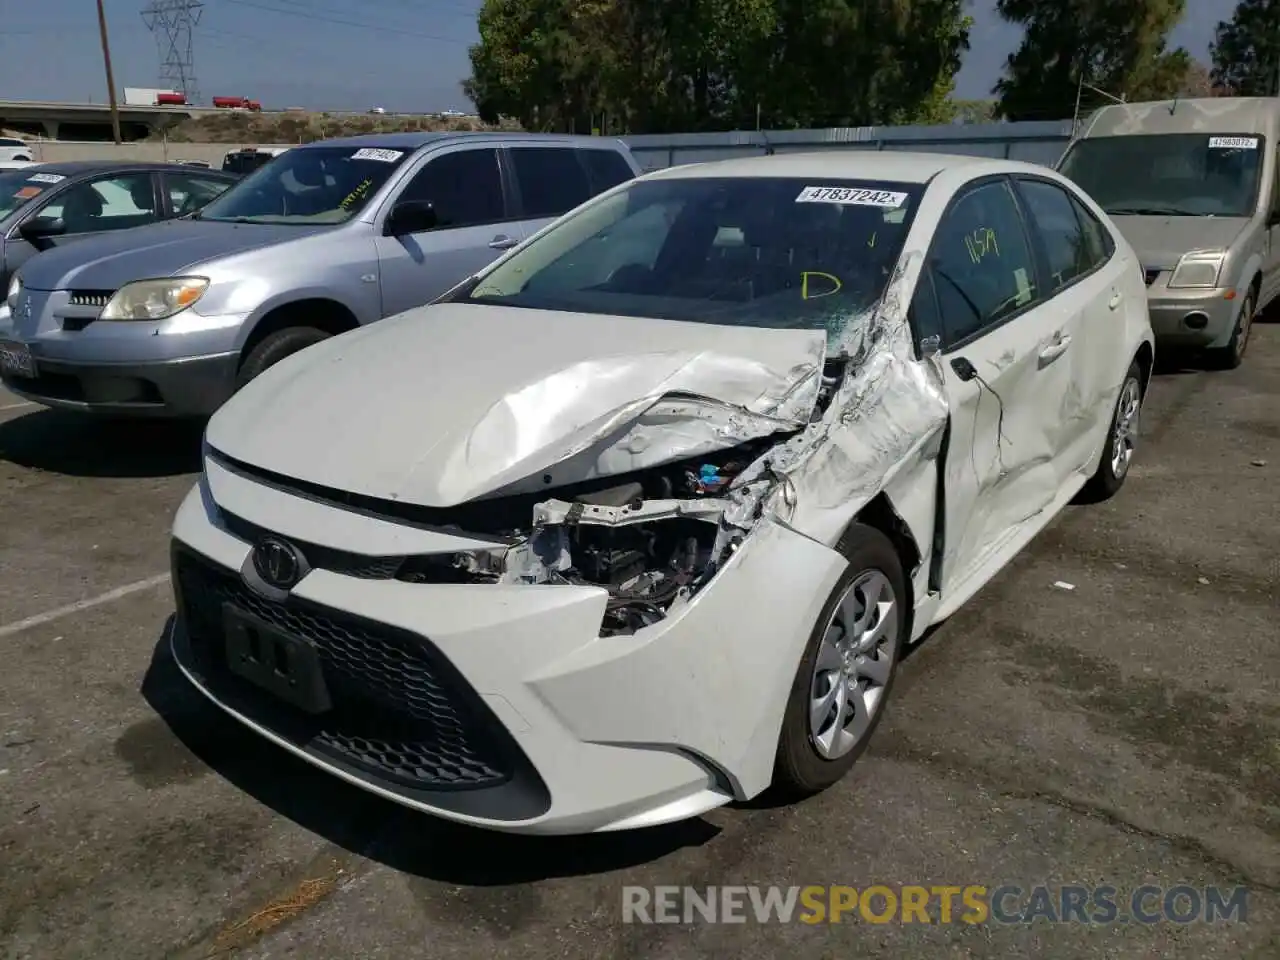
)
(1122, 439)
(1232, 355)
(840, 689)
(275, 347)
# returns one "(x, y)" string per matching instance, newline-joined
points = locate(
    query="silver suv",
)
(170, 320)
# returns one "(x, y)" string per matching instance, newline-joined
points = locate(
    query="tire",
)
(1123, 430)
(807, 762)
(275, 347)
(1232, 355)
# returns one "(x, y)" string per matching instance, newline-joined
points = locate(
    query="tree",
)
(1117, 47)
(657, 66)
(1246, 50)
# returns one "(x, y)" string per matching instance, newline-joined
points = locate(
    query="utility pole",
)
(111, 80)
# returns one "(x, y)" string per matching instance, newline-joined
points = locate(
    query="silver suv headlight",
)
(154, 299)
(15, 288)
(1198, 269)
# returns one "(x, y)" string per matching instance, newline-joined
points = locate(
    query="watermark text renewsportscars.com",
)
(937, 904)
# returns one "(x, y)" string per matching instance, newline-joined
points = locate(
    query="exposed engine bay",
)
(652, 539)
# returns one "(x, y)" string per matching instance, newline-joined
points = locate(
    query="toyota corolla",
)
(639, 520)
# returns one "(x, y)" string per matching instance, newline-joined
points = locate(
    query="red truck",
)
(171, 99)
(236, 103)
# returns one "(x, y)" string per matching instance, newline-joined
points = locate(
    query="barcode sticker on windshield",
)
(45, 178)
(852, 195)
(371, 153)
(1233, 143)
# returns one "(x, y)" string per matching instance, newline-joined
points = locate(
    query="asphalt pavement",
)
(1106, 712)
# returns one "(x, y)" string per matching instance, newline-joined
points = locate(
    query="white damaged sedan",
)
(638, 521)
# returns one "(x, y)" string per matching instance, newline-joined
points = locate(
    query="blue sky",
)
(399, 54)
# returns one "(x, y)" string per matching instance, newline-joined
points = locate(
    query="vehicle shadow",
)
(81, 446)
(367, 825)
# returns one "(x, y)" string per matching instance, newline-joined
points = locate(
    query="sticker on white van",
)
(370, 153)
(852, 195)
(1233, 143)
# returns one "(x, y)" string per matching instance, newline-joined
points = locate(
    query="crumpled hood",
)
(451, 402)
(109, 261)
(1161, 241)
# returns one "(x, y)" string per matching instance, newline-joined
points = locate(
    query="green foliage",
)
(1117, 47)
(1246, 49)
(645, 66)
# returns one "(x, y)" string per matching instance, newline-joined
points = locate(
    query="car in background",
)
(170, 320)
(245, 161)
(1192, 184)
(48, 204)
(639, 521)
(11, 148)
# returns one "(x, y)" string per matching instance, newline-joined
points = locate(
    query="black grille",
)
(90, 298)
(1150, 274)
(401, 716)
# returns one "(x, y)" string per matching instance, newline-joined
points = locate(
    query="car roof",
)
(414, 141)
(75, 168)
(850, 164)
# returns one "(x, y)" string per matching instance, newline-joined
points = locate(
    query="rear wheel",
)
(847, 671)
(275, 347)
(1232, 355)
(1122, 439)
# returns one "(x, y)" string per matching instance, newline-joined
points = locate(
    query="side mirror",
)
(411, 216)
(40, 231)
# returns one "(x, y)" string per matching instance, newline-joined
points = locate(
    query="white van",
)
(1192, 186)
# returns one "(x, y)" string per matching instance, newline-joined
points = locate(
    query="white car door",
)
(1003, 347)
(1087, 296)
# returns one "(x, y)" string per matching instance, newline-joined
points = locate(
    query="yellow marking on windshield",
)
(804, 284)
(357, 194)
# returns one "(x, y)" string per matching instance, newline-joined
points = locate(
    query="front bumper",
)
(183, 366)
(501, 706)
(189, 387)
(1192, 318)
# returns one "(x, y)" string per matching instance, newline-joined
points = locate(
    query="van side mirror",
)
(40, 231)
(411, 216)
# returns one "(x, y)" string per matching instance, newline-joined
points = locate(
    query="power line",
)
(342, 22)
(173, 23)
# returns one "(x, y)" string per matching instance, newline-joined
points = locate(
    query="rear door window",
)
(551, 180)
(1059, 229)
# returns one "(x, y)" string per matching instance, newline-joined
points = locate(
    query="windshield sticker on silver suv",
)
(1233, 143)
(371, 153)
(852, 195)
(45, 178)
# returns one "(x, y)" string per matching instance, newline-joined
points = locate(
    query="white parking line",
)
(17, 406)
(49, 616)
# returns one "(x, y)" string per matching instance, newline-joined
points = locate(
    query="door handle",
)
(1115, 300)
(503, 242)
(1055, 349)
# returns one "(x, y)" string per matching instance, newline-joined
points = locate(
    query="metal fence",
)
(1036, 142)
(1033, 141)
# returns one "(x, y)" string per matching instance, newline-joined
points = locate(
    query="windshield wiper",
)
(1147, 212)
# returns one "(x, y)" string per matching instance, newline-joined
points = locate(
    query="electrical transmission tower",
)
(173, 23)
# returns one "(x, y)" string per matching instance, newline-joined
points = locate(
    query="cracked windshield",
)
(760, 252)
(323, 185)
(1179, 175)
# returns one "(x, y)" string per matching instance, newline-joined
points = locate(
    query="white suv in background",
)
(11, 148)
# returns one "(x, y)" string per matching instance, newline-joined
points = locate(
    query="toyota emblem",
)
(278, 563)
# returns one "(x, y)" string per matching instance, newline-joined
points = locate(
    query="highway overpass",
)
(88, 121)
